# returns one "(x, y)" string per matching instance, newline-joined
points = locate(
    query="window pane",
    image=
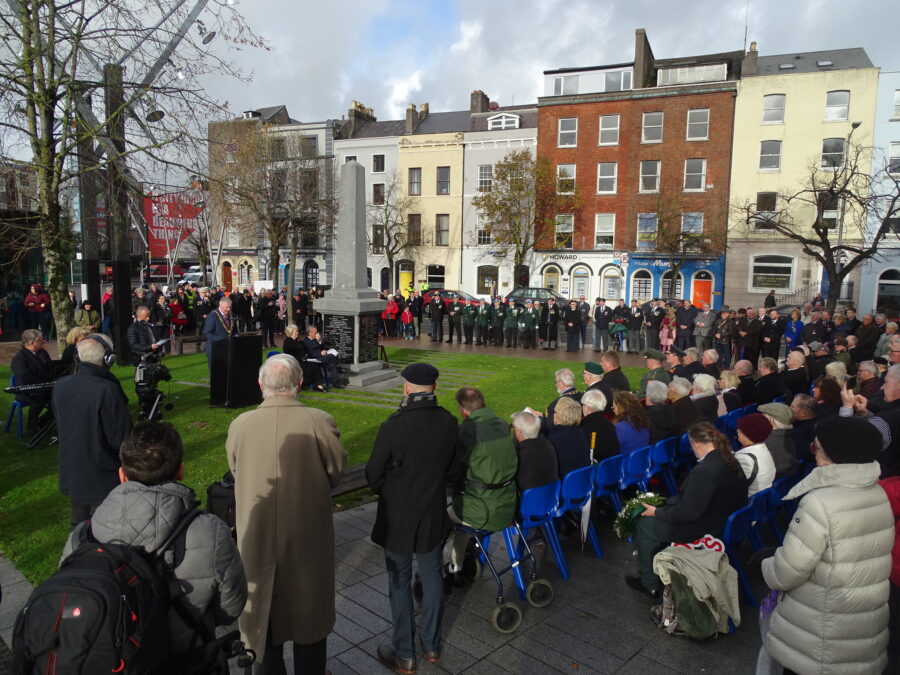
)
(609, 129)
(613, 82)
(485, 177)
(378, 194)
(894, 159)
(308, 147)
(415, 181)
(773, 108)
(837, 105)
(606, 177)
(414, 233)
(442, 230)
(770, 155)
(568, 132)
(764, 216)
(605, 230)
(897, 103)
(443, 180)
(377, 163)
(692, 223)
(832, 153)
(698, 124)
(772, 271)
(565, 226)
(646, 239)
(694, 174)
(565, 179)
(652, 131)
(649, 175)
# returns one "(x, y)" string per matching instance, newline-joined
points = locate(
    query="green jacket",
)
(512, 317)
(485, 461)
(470, 313)
(454, 312)
(484, 315)
(530, 319)
(657, 374)
(87, 317)
(497, 315)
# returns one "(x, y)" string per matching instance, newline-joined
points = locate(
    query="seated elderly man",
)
(710, 362)
(806, 414)
(613, 376)
(537, 456)
(572, 450)
(593, 379)
(769, 386)
(32, 365)
(674, 363)
(662, 418)
(794, 376)
(564, 381)
(746, 389)
(781, 441)
(655, 370)
(600, 432)
(692, 365)
(868, 381)
(703, 394)
(685, 410)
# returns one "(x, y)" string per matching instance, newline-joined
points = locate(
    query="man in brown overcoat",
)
(285, 459)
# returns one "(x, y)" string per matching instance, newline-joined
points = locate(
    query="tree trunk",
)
(56, 263)
(390, 260)
(835, 281)
(292, 278)
(273, 260)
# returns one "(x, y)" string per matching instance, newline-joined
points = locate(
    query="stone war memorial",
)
(351, 310)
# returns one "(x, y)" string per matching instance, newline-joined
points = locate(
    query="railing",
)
(812, 289)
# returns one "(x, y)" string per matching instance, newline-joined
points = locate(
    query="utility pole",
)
(88, 178)
(117, 211)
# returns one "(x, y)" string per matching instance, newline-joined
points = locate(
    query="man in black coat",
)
(653, 318)
(550, 315)
(602, 317)
(613, 376)
(436, 317)
(600, 432)
(684, 320)
(141, 339)
(806, 413)
(317, 353)
(769, 386)
(747, 388)
(814, 331)
(771, 333)
(537, 456)
(408, 468)
(635, 322)
(565, 387)
(685, 410)
(662, 418)
(593, 380)
(751, 337)
(794, 376)
(32, 365)
(92, 419)
(572, 323)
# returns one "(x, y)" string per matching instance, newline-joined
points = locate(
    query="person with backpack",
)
(151, 522)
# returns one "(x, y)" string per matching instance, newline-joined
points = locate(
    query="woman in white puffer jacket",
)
(835, 561)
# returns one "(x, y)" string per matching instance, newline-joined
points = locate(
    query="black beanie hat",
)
(849, 440)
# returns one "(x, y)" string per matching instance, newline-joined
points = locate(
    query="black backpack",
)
(220, 501)
(106, 609)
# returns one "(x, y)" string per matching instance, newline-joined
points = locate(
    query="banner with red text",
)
(171, 218)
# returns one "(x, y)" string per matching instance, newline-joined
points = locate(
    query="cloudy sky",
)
(387, 53)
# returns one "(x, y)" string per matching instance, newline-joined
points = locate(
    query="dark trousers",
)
(648, 544)
(512, 337)
(724, 350)
(267, 326)
(498, 335)
(82, 511)
(552, 336)
(399, 569)
(529, 338)
(481, 335)
(308, 659)
(457, 326)
(634, 340)
(437, 330)
(651, 338)
(468, 330)
(771, 349)
(683, 339)
(572, 340)
(894, 631)
(584, 334)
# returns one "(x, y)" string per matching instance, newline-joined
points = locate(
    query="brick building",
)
(648, 145)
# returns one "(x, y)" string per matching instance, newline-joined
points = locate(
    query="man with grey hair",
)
(868, 381)
(685, 410)
(564, 380)
(286, 458)
(537, 456)
(769, 386)
(704, 323)
(662, 418)
(703, 394)
(600, 432)
(32, 365)
(746, 389)
(92, 420)
(219, 325)
(691, 362)
(709, 360)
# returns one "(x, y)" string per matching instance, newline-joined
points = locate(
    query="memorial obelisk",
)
(351, 310)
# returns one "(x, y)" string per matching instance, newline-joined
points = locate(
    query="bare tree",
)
(57, 56)
(519, 211)
(392, 233)
(840, 214)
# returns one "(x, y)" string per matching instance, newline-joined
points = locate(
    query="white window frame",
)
(764, 216)
(645, 279)
(770, 169)
(482, 234)
(438, 230)
(657, 174)
(560, 132)
(569, 220)
(893, 165)
(614, 176)
(625, 78)
(503, 121)
(438, 182)
(383, 163)
(896, 115)
(565, 85)
(833, 110)
(772, 98)
(350, 158)
(696, 216)
(766, 289)
(642, 219)
(687, 131)
(601, 128)
(606, 231)
(707, 72)
(485, 178)
(645, 126)
(559, 178)
(831, 166)
(410, 183)
(702, 175)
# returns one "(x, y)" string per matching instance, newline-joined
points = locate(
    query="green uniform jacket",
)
(530, 319)
(512, 317)
(486, 456)
(484, 315)
(470, 313)
(498, 315)
(657, 374)
(454, 312)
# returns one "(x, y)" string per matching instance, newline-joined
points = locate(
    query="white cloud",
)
(469, 33)
(401, 90)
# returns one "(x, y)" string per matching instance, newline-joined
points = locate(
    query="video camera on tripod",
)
(147, 375)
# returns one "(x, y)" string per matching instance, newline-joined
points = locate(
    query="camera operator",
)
(141, 339)
(91, 413)
(32, 365)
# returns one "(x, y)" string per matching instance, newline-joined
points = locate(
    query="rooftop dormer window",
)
(503, 121)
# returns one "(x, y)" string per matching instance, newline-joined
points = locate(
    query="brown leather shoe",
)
(389, 659)
(432, 657)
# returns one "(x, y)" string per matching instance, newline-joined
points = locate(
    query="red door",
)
(702, 292)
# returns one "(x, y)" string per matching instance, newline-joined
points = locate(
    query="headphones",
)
(109, 356)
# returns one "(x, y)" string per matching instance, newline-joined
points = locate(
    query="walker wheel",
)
(507, 617)
(539, 593)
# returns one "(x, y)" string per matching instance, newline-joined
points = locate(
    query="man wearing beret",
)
(407, 469)
(593, 379)
(655, 371)
(675, 363)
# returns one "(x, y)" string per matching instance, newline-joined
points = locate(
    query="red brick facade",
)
(674, 149)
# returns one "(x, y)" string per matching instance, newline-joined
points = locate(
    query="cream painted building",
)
(793, 115)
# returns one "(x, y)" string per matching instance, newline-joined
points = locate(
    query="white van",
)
(195, 275)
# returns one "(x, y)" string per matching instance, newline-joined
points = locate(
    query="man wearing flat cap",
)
(408, 470)
(655, 370)
(593, 380)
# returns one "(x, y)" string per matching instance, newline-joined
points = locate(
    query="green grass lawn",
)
(34, 517)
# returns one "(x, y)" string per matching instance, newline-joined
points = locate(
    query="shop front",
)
(700, 279)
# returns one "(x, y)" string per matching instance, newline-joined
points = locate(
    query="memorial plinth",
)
(351, 310)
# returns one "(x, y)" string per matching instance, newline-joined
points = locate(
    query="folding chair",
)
(537, 508)
(15, 410)
(636, 470)
(575, 493)
(662, 459)
(737, 529)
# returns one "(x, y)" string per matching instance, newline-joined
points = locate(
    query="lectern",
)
(234, 370)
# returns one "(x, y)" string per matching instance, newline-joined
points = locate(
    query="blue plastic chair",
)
(782, 486)
(271, 353)
(778, 399)
(737, 529)
(686, 456)
(537, 508)
(607, 475)
(749, 409)
(636, 469)
(15, 410)
(662, 459)
(766, 504)
(577, 487)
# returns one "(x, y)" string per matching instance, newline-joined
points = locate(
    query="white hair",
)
(693, 353)
(594, 399)
(280, 375)
(704, 384)
(657, 392)
(893, 372)
(712, 355)
(838, 371)
(528, 425)
(869, 367)
(680, 386)
(224, 301)
(91, 348)
(565, 376)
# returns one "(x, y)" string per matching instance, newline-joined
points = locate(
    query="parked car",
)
(520, 295)
(448, 294)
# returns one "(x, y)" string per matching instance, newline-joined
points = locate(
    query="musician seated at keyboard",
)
(33, 365)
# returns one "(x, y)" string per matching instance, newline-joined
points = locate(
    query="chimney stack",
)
(357, 117)
(423, 111)
(750, 64)
(412, 119)
(643, 59)
(479, 102)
